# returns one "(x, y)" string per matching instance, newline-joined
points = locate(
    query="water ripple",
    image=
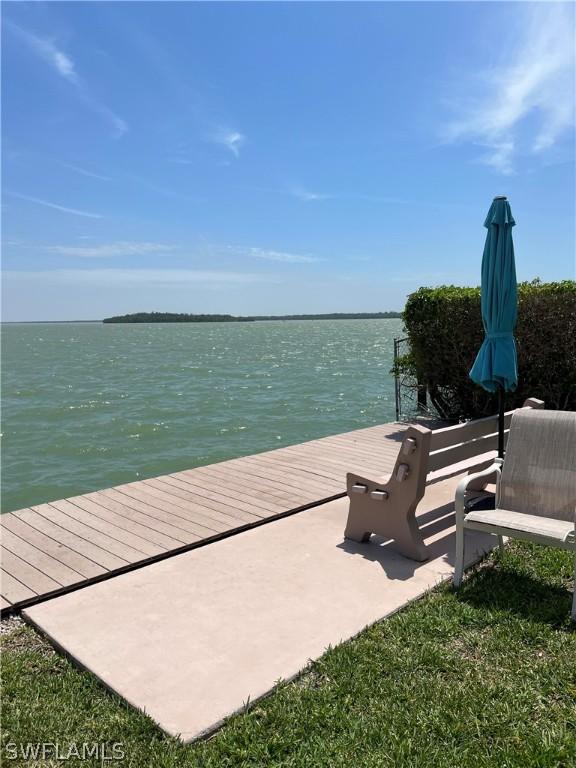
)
(86, 406)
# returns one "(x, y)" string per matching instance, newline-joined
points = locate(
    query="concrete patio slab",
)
(190, 639)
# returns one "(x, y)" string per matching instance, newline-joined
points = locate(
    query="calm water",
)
(87, 406)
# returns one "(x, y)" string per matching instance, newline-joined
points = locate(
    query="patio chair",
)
(535, 487)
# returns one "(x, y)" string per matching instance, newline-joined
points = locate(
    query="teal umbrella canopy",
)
(495, 367)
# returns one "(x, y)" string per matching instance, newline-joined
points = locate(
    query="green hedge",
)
(444, 326)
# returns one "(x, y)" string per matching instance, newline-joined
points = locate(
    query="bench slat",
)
(473, 464)
(459, 453)
(462, 433)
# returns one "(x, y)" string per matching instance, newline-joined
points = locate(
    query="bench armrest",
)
(370, 485)
(494, 469)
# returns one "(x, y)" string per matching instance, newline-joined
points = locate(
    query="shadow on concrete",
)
(432, 523)
(395, 565)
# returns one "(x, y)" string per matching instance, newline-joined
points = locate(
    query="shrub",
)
(445, 331)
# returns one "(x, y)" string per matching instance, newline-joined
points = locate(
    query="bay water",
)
(91, 405)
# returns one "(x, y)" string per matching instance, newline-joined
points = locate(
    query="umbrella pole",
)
(500, 421)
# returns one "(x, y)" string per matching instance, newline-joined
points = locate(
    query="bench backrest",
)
(427, 456)
(456, 444)
(539, 472)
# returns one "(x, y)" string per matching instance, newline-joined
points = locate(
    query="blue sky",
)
(277, 157)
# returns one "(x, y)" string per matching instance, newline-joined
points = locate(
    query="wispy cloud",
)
(63, 64)
(14, 243)
(58, 59)
(359, 258)
(232, 140)
(118, 125)
(204, 251)
(46, 50)
(181, 160)
(287, 258)
(55, 206)
(84, 172)
(304, 194)
(159, 190)
(108, 250)
(525, 103)
(133, 276)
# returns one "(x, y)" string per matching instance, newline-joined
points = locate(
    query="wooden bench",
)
(387, 506)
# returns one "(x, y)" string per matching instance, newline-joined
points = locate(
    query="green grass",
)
(482, 677)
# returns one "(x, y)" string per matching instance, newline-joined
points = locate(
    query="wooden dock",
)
(60, 546)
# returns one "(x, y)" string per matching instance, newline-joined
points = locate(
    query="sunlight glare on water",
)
(87, 405)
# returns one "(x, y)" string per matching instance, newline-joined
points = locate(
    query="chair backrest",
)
(539, 472)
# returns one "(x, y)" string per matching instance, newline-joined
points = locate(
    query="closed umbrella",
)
(495, 367)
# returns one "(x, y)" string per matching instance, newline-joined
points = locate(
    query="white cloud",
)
(46, 50)
(500, 157)
(534, 80)
(84, 172)
(205, 250)
(304, 194)
(287, 258)
(64, 65)
(14, 243)
(56, 207)
(118, 125)
(132, 276)
(231, 140)
(106, 250)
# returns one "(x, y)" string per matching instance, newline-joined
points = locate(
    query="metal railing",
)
(411, 395)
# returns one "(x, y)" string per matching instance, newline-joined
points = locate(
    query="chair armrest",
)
(494, 469)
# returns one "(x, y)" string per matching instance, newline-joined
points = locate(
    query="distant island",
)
(174, 317)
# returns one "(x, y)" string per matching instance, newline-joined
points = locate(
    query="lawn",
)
(482, 677)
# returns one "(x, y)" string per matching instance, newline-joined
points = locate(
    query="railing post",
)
(397, 378)
(422, 396)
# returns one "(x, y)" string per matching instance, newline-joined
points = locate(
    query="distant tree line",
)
(330, 316)
(169, 317)
(174, 317)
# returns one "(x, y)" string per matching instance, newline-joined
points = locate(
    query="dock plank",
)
(70, 539)
(75, 560)
(222, 508)
(71, 542)
(164, 535)
(313, 470)
(51, 567)
(362, 448)
(331, 458)
(4, 604)
(71, 517)
(13, 591)
(292, 476)
(264, 486)
(27, 574)
(183, 529)
(195, 485)
(225, 488)
(110, 524)
(197, 513)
